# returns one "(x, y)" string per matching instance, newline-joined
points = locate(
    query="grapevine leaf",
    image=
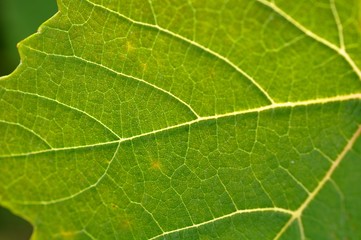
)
(186, 120)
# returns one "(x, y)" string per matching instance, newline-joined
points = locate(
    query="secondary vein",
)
(191, 42)
(119, 74)
(340, 50)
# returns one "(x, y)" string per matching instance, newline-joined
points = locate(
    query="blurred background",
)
(18, 20)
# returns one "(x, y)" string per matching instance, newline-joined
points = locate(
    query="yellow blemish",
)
(144, 66)
(129, 46)
(125, 224)
(68, 234)
(156, 165)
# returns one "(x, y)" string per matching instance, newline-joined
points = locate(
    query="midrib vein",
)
(342, 98)
(191, 42)
(340, 50)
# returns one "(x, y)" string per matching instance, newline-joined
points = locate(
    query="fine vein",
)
(193, 43)
(63, 104)
(260, 109)
(28, 130)
(120, 74)
(298, 213)
(341, 51)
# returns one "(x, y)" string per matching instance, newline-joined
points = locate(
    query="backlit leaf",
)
(187, 120)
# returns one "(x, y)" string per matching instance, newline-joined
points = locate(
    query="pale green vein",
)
(338, 24)
(227, 192)
(302, 230)
(88, 234)
(298, 182)
(153, 13)
(262, 186)
(193, 43)
(28, 130)
(339, 191)
(137, 203)
(119, 74)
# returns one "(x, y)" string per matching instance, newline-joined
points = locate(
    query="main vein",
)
(356, 96)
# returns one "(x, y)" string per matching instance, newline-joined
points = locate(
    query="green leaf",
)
(187, 120)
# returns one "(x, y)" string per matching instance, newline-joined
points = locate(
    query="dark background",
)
(18, 20)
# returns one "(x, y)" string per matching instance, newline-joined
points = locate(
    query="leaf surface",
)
(186, 120)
